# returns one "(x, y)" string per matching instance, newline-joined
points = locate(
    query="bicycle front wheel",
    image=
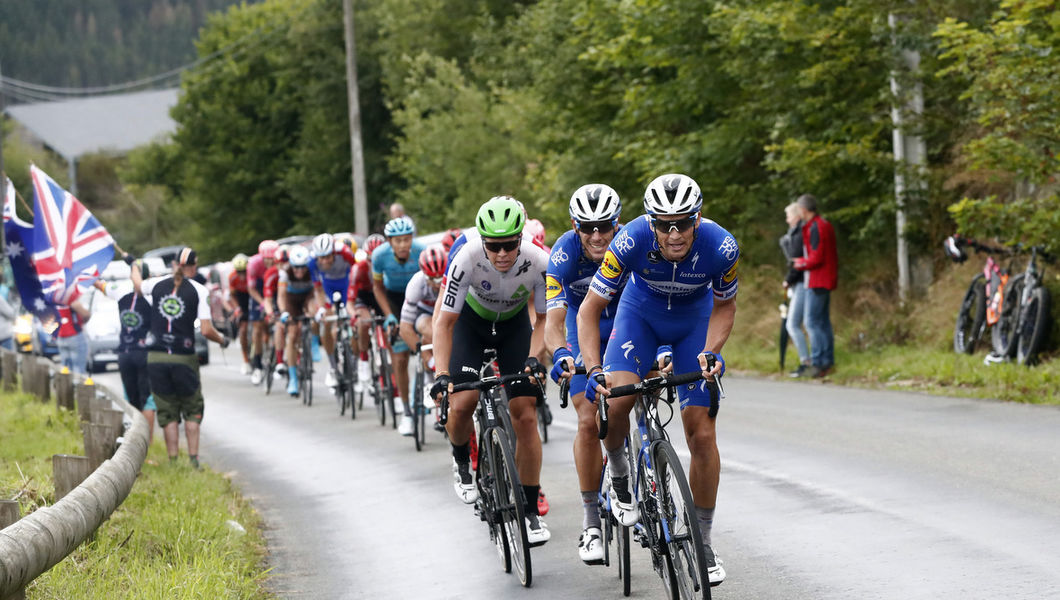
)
(508, 493)
(1033, 325)
(386, 387)
(349, 374)
(1005, 332)
(970, 317)
(680, 525)
(544, 419)
(416, 394)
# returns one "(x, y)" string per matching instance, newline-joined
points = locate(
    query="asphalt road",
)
(826, 492)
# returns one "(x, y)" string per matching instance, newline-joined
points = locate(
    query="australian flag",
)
(70, 247)
(19, 250)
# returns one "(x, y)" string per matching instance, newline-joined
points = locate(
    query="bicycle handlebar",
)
(564, 387)
(480, 385)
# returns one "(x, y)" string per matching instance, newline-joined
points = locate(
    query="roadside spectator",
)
(135, 317)
(172, 365)
(397, 210)
(821, 265)
(7, 318)
(791, 244)
(70, 339)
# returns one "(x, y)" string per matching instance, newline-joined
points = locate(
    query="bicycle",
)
(345, 364)
(668, 525)
(419, 409)
(500, 504)
(382, 383)
(305, 360)
(268, 361)
(544, 417)
(984, 302)
(1024, 319)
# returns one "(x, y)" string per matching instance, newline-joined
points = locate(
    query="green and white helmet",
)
(500, 216)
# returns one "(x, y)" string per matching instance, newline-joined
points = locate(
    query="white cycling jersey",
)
(493, 295)
(419, 298)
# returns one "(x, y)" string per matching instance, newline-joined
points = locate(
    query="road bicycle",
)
(668, 526)
(345, 361)
(1024, 319)
(268, 359)
(984, 301)
(501, 504)
(544, 417)
(419, 409)
(381, 386)
(305, 360)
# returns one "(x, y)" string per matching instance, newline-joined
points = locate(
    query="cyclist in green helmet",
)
(485, 304)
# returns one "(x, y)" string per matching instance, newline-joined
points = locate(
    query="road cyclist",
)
(329, 267)
(365, 305)
(421, 293)
(393, 265)
(294, 292)
(258, 309)
(238, 303)
(484, 304)
(682, 271)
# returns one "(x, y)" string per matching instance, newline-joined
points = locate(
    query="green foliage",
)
(32, 432)
(1010, 66)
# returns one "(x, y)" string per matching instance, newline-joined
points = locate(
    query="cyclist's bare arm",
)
(380, 296)
(555, 329)
(721, 322)
(589, 328)
(537, 338)
(443, 339)
(281, 296)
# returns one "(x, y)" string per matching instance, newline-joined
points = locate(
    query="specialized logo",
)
(171, 307)
(559, 256)
(609, 267)
(695, 258)
(624, 242)
(729, 248)
(130, 319)
(523, 268)
(552, 287)
(628, 347)
(731, 273)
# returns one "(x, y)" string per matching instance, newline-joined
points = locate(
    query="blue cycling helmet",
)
(399, 226)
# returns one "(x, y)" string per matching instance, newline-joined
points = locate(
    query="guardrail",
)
(38, 541)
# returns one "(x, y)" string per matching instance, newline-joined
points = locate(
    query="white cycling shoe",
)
(256, 377)
(464, 485)
(537, 532)
(622, 504)
(591, 546)
(405, 427)
(715, 569)
(330, 379)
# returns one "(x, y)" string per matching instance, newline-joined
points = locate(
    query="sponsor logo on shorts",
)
(467, 369)
(553, 287)
(609, 267)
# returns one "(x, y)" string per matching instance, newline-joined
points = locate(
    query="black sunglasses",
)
(588, 227)
(509, 246)
(681, 225)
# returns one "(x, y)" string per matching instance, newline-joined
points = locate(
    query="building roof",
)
(114, 123)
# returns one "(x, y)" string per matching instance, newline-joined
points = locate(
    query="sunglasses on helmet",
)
(589, 227)
(680, 225)
(509, 246)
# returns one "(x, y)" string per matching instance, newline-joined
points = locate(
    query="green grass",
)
(169, 539)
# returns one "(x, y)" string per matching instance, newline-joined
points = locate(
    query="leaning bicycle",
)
(1024, 319)
(500, 503)
(668, 525)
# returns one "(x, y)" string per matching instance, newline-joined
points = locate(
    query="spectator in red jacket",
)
(820, 263)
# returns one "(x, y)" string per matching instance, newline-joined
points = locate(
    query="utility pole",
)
(360, 192)
(2, 170)
(909, 153)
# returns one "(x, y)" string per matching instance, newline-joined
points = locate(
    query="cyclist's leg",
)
(469, 338)
(629, 355)
(424, 329)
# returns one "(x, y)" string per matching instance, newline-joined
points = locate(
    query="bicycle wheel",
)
(1033, 326)
(681, 525)
(970, 317)
(510, 503)
(416, 399)
(1005, 332)
(649, 531)
(487, 505)
(386, 387)
(349, 376)
(622, 535)
(269, 363)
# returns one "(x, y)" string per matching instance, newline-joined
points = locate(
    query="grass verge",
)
(171, 538)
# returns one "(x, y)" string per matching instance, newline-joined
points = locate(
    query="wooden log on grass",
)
(69, 471)
(9, 513)
(26, 373)
(8, 370)
(85, 395)
(100, 442)
(42, 380)
(64, 390)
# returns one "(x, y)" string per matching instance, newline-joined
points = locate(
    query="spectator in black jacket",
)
(791, 244)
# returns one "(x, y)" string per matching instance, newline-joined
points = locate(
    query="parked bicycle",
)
(668, 525)
(984, 301)
(1024, 319)
(500, 503)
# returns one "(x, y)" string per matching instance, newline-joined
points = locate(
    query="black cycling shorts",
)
(297, 303)
(365, 298)
(396, 301)
(473, 334)
(243, 300)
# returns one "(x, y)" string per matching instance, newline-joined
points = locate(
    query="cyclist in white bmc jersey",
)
(488, 284)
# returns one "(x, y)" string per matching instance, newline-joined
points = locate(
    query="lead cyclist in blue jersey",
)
(681, 291)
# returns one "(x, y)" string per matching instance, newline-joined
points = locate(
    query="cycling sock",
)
(530, 493)
(462, 454)
(256, 361)
(618, 464)
(591, 506)
(430, 363)
(279, 356)
(705, 516)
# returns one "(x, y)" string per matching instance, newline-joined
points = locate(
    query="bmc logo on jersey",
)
(609, 267)
(731, 273)
(552, 287)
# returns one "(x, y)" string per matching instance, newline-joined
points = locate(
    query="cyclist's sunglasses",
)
(681, 225)
(437, 280)
(509, 246)
(589, 227)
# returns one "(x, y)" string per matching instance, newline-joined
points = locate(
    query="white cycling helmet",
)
(595, 202)
(323, 245)
(298, 256)
(672, 194)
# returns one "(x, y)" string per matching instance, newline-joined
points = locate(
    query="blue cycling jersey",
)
(570, 271)
(395, 274)
(665, 302)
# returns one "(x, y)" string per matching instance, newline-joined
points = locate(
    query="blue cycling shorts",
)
(641, 327)
(577, 382)
(342, 286)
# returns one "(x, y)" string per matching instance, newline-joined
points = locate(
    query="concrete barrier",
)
(38, 541)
